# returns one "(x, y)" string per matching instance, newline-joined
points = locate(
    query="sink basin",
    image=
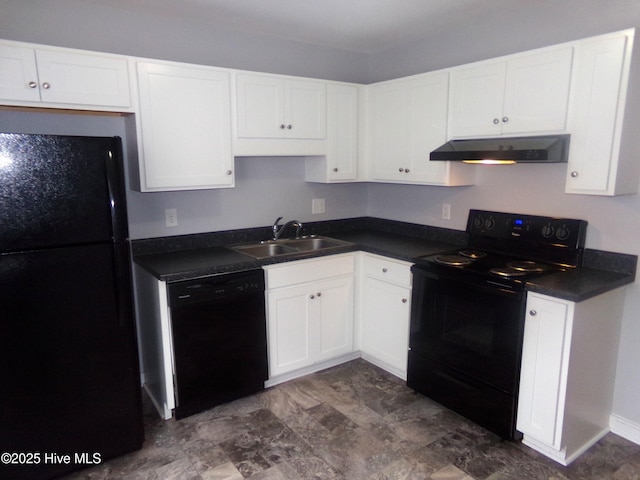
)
(273, 248)
(265, 250)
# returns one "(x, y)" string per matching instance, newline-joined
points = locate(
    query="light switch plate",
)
(171, 217)
(317, 206)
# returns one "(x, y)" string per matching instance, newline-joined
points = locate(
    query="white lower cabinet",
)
(310, 305)
(384, 309)
(568, 369)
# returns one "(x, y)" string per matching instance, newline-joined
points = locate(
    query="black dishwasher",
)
(218, 325)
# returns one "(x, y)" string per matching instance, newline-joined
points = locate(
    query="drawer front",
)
(303, 271)
(387, 270)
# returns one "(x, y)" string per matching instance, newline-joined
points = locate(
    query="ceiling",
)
(365, 26)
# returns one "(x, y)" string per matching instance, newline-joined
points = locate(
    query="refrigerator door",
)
(68, 358)
(60, 190)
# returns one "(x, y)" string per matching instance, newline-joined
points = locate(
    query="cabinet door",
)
(333, 305)
(385, 328)
(260, 106)
(389, 133)
(185, 127)
(476, 100)
(545, 358)
(305, 109)
(18, 74)
(290, 329)
(596, 117)
(83, 79)
(536, 94)
(427, 101)
(342, 134)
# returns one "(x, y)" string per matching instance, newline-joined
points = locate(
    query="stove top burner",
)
(473, 254)
(527, 266)
(454, 260)
(507, 272)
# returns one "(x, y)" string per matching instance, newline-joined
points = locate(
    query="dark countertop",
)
(579, 284)
(574, 285)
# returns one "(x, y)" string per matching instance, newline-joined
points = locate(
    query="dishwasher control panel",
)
(215, 287)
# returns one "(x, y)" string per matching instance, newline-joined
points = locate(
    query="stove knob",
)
(489, 223)
(478, 222)
(547, 231)
(563, 233)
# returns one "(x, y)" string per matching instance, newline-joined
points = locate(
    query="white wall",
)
(91, 25)
(267, 188)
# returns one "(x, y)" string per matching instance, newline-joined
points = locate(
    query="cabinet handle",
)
(32, 84)
(496, 121)
(289, 127)
(319, 294)
(574, 174)
(401, 170)
(505, 119)
(404, 300)
(335, 169)
(46, 85)
(282, 127)
(384, 270)
(406, 170)
(312, 296)
(229, 172)
(533, 313)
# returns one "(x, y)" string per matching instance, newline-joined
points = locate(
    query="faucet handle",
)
(275, 227)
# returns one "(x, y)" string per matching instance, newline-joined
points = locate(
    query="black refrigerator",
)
(69, 377)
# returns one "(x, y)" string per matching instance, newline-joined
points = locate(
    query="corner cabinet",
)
(408, 119)
(384, 311)
(57, 78)
(529, 93)
(310, 306)
(596, 166)
(278, 115)
(184, 126)
(340, 164)
(568, 370)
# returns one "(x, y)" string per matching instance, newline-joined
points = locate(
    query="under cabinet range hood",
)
(544, 149)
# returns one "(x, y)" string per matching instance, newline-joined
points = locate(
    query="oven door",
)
(472, 328)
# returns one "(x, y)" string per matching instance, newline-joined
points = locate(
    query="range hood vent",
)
(545, 149)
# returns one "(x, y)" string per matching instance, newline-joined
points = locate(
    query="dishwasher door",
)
(218, 325)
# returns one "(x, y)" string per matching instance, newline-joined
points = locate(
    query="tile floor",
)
(349, 422)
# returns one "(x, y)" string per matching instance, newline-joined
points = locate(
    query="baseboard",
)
(625, 428)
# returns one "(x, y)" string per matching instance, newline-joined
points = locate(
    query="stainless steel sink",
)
(273, 248)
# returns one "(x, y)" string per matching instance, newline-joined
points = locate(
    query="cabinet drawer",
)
(302, 271)
(387, 270)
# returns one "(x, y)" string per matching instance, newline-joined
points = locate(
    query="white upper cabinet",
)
(61, 77)
(340, 164)
(184, 127)
(272, 107)
(408, 119)
(526, 94)
(598, 99)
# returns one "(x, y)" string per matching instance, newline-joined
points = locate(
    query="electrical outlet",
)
(317, 205)
(446, 211)
(171, 217)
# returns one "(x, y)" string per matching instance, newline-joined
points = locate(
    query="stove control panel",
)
(539, 230)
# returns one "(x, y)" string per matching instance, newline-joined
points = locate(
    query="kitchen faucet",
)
(279, 229)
